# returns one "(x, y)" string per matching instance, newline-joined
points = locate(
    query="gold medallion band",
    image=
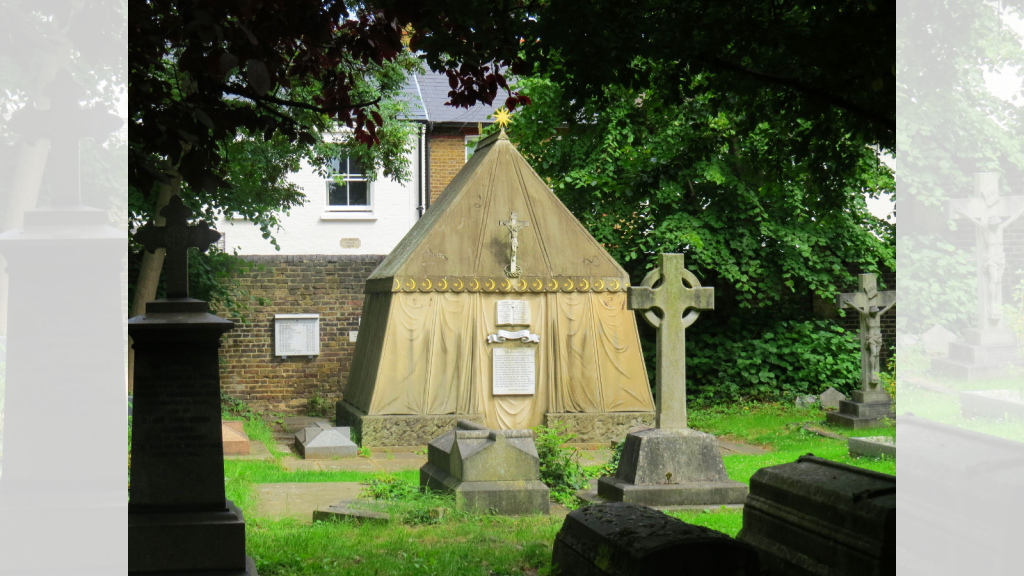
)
(496, 284)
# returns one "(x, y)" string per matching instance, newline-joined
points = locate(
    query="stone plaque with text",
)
(515, 371)
(513, 313)
(297, 335)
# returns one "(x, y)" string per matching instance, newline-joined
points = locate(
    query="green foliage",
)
(560, 468)
(129, 455)
(318, 405)
(780, 362)
(232, 408)
(388, 488)
(942, 282)
(1014, 314)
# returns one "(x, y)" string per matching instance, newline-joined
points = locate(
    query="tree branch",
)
(811, 91)
(294, 104)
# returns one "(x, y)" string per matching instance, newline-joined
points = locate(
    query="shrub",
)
(386, 487)
(560, 467)
(787, 359)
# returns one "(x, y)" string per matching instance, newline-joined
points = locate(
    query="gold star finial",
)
(502, 117)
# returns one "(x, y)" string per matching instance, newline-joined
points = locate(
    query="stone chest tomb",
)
(487, 469)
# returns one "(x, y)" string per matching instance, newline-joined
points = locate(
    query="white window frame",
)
(469, 139)
(366, 208)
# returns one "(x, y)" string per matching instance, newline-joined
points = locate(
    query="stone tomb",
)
(323, 441)
(488, 470)
(872, 446)
(233, 438)
(625, 540)
(671, 468)
(996, 404)
(960, 501)
(817, 517)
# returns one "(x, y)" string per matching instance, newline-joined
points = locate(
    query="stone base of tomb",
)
(865, 410)
(984, 355)
(202, 543)
(391, 431)
(515, 498)
(600, 427)
(400, 430)
(669, 468)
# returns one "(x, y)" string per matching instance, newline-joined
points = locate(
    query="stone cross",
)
(514, 225)
(64, 124)
(991, 215)
(676, 293)
(177, 237)
(871, 305)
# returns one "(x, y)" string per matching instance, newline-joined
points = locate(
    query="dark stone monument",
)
(818, 517)
(619, 539)
(179, 521)
(65, 357)
(487, 469)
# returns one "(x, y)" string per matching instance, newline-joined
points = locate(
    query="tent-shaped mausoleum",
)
(451, 330)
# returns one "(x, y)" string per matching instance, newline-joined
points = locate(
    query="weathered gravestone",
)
(496, 470)
(671, 465)
(65, 357)
(323, 441)
(831, 398)
(960, 502)
(871, 404)
(817, 517)
(619, 539)
(179, 521)
(991, 346)
(937, 340)
(805, 401)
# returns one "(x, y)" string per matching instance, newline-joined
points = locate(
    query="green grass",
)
(421, 543)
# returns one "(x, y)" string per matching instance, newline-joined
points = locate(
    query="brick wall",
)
(447, 157)
(331, 286)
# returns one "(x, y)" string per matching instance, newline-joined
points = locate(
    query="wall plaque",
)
(515, 372)
(513, 313)
(296, 335)
(350, 243)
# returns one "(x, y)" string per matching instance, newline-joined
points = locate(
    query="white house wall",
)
(312, 229)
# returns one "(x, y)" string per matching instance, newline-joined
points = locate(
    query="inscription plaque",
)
(515, 372)
(513, 313)
(297, 335)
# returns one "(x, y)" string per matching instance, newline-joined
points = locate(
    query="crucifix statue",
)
(991, 215)
(676, 293)
(871, 305)
(177, 237)
(514, 225)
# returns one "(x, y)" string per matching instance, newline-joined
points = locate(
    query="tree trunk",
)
(152, 265)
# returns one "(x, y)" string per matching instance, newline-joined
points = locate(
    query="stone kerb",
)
(497, 470)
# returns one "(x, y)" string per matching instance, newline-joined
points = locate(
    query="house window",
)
(348, 189)
(471, 146)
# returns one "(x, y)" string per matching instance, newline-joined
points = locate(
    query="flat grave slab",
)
(323, 441)
(346, 510)
(234, 438)
(300, 499)
(873, 446)
(997, 404)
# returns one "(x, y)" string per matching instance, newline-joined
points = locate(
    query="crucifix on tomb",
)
(871, 305)
(676, 293)
(177, 237)
(514, 225)
(991, 215)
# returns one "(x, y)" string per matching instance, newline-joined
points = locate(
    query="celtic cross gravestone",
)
(177, 237)
(671, 298)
